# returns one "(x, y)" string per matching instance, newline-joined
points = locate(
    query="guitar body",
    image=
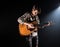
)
(23, 30)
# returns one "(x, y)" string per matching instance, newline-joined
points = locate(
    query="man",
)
(28, 18)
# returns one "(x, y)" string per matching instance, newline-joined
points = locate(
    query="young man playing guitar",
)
(27, 25)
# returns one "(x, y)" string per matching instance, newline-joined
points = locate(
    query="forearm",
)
(20, 21)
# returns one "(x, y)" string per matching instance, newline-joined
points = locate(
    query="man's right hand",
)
(29, 25)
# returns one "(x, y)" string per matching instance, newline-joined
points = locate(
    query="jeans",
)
(32, 41)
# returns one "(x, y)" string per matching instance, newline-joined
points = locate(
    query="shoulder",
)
(27, 14)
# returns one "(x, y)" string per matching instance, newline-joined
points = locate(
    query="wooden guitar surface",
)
(23, 30)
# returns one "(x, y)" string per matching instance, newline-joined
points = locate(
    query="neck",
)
(33, 15)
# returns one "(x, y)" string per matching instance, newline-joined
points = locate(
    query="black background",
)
(11, 10)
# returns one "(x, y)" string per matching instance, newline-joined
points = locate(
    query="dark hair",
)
(36, 8)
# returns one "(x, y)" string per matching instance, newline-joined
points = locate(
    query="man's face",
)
(34, 12)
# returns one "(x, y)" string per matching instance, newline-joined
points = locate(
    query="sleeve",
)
(37, 19)
(22, 19)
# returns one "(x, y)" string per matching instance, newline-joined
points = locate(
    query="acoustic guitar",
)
(24, 30)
